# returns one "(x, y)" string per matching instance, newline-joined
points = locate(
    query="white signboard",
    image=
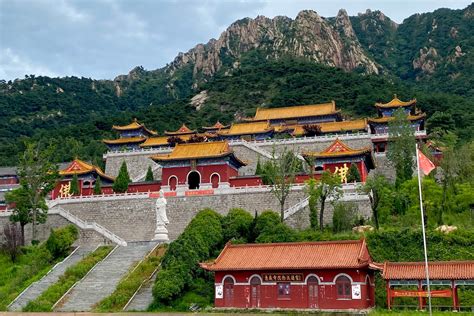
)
(356, 293)
(219, 291)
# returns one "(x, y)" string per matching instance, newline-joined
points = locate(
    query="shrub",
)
(344, 217)
(269, 228)
(180, 264)
(353, 174)
(237, 225)
(149, 175)
(74, 188)
(123, 179)
(60, 240)
(97, 186)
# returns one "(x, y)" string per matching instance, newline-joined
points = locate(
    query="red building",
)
(198, 166)
(338, 157)
(332, 275)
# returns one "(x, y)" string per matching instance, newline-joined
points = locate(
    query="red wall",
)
(225, 172)
(250, 181)
(326, 299)
(360, 165)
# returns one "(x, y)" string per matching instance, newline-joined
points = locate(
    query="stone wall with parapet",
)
(137, 164)
(133, 218)
(86, 237)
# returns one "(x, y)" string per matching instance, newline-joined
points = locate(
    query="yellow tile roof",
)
(80, 167)
(132, 126)
(196, 151)
(396, 102)
(155, 141)
(338, 149)
(295, 111)
(218, 125)
(182, 130)
(386, 119)
(124, 140)
(333, 127)
(247, 128)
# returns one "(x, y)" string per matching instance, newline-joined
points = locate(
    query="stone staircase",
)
(102, 280)
(38, 287)
(143, 298)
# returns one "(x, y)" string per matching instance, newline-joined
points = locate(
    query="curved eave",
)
(411, 118)
(396, 103)
(246, 133)
(81, 172)
(124, 141)
(158, 158)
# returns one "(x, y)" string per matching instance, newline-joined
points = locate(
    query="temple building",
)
(131, 136)
(331, 275)
(183, 130)
(338, 157)
(248, 131)
(212, 130)
(9, 181)
(198, 166)
(87, 176)
(337, 127)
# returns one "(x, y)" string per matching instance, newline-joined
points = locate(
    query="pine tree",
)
(123, 179)
(258, 169)
(354, 174)
(149, 175)
(74, 189)
(97, 186)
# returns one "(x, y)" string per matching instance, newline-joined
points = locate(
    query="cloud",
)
(12, 65)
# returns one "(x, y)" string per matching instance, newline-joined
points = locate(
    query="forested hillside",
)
(429, 57)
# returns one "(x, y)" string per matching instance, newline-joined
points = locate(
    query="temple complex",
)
(131, 136)
(338, 157)
(198, 165)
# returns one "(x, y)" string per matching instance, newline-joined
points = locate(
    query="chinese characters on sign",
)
(64, 190)
(342, 172)
(287, 277)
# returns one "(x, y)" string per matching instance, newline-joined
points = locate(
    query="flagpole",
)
(423, 229)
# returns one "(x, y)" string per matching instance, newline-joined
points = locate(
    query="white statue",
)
(161, 233)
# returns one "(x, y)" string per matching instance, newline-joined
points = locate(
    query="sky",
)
(101, 39)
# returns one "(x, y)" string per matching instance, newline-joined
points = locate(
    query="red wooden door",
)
(255, 292)
(172, 183)
(229, 292)
(313, 293)
(215, 181)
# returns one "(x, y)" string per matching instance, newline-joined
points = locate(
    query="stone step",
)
(52, 277)
(104, 277)
(143, 298)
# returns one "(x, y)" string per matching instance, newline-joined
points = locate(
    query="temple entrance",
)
(215, 181)
(313, 292)
(194, 179)
(254, 292)
(172, 182)
(228, 292)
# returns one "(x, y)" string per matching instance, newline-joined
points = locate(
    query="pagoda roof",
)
(333, 127)
(395, 103)
(338, 149)
(247, 128)
(295, 111)
(163, 140)
(198, 151)
(183, 130)
(78, 167)
(218, 125)
(439, 270)
(386, 119)
(124, 140)
(133, 126)
(292, 255)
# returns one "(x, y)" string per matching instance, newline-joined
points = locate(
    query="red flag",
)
(426, 165)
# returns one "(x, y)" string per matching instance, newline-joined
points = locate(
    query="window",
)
(343, 287)
(283, 290)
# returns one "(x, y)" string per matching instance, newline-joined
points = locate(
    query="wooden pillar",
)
(389, 295)
(420, 299)
(455, 296)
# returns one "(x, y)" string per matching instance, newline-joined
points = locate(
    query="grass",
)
(131, 282)
(45, 302)
(32, 264)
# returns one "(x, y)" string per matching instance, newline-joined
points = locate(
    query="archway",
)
(172, 182)
(215, 179)
(255, 292)
(194, 179)
(313, 293)
(229, 292)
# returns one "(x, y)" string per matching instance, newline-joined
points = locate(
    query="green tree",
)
(258, 168)
(329, 187)
(149, 175)
(378, 189)
(281, 171)
(343, 217)
(123, 179)
(38, 176)
(311, 189)
(97, 186)
(353, 175)
(74, 188)
(237, 225)
(401, 149)
(22, 212)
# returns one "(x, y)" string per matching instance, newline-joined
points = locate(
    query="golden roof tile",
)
(78, 167)
(386, 119)
(132, 126)
(124, 140)
(338, 149)
(247, 128)
(334, 127)
(295, 111)
(183, 130)
(396, 102)
(218, 125)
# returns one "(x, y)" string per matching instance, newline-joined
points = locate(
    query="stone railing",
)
(386, 135)
(140, 151)
(90, 225)
(295, 208)
(95, 198)
(304, 139)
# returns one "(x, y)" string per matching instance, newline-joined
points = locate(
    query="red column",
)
(420, 299)
(455, 296)
(389, 295)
